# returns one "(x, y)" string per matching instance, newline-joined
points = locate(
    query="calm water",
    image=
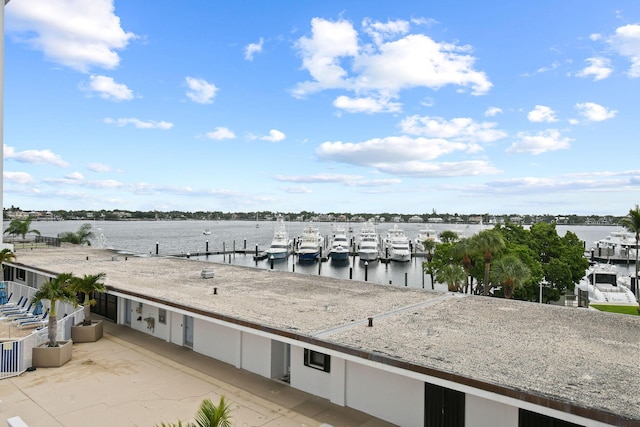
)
(181, 237)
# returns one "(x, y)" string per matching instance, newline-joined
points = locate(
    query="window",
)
(317, 360)
(162, 316)
(20, 274)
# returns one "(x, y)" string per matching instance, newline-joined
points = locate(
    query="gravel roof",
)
(583, 357)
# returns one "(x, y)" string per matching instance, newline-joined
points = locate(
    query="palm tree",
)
(463, 249)
(429, 245)
(21, 228)
(487, 243)
(80, 237)
(453, 275)
(448, 236)
(209, 415)
(632, 223)
(57, 289)
(86, 285)
(511, 273)
(6, 255)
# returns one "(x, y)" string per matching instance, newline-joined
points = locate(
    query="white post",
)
(2, 111)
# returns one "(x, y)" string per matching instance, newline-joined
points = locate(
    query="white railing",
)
(16, 355)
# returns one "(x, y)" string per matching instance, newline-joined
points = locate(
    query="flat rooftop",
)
(581, 357)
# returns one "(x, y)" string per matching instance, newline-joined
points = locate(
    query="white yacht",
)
(397, 245)
(425, 234)
(310, 244)
(618, 244)
(281, 245)
(606, 287)
(368, 246)
(339, 250)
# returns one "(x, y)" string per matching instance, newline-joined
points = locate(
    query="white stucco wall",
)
(480, 412)
(217, 341)
(256, 354)
(391, 397)
(309, 379)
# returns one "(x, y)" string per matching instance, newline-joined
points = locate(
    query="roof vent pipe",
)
(370, 321)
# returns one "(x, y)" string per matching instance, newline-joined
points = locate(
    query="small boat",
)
(339, 250)
(368, 246)
(423, 235)
(206, 232)
(397, 245)
(606, 287)
(281, 245)
(310, 244)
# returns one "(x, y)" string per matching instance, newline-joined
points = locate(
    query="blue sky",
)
(407, 107)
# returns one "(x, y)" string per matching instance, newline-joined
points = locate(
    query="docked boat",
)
(368, 243)
(397, 245)
(281, 245)
(619, 245)
(606, 287)
(310, 244)
(339, 249)
(423, 235)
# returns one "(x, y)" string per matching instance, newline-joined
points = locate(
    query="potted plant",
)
(87, 331)
(55, 353)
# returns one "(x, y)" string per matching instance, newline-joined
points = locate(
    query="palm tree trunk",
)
(53, 330)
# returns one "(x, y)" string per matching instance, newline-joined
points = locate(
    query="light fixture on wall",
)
(139, 319)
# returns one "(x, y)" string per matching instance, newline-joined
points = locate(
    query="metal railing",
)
(16, 354)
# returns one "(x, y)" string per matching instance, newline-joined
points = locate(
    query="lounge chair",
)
(35, 323)
(14, 305)
(5, 315)
(29, 317)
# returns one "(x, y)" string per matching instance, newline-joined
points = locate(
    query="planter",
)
(89, 333)
(52, 357)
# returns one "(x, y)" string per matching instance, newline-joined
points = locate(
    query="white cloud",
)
(626, 41)
(366, 105)
(387, 66)
(274, 136)
(541, 142)
(98, 167)
(349, 180)
(493, 111)
(34, 156)
(221, 133)
(457, 129)
(394, 149)
(139, 124)
(439, 169)
(252, 48)
(79, 34)
(599, 68)
(107, 88)
(542, 113)
(200, 90)
(594, 112)
(76, 176)
(21, 178)
(298, 189)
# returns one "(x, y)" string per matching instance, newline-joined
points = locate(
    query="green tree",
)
(56, 290)
(80, 237)
(632, 223)
(462, 250)
(209, 415)
(449, 236)
(6, 255)
(488, 243)
(453, 275)
(510, 272)
(429, 245)
(20, 228)
(86, 285)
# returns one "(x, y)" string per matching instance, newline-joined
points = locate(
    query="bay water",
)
(143, 238)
